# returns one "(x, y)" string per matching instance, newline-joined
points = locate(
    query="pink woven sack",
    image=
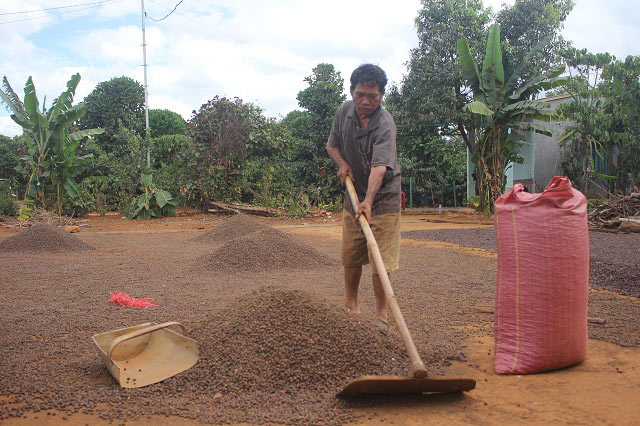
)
(540, 320)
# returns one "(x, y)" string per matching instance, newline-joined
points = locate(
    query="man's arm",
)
(344, 169)
(375, 182)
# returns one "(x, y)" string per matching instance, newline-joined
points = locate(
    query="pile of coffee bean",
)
(297, 341)
(232, 228)
(44, 238)
(280, 356)
(274, 355)
(265, 250)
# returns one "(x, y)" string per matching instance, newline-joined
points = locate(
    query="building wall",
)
(547, 149)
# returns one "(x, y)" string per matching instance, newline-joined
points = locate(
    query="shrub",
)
(152, 202)
(8, 207)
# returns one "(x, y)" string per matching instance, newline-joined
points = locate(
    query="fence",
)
(428, 194)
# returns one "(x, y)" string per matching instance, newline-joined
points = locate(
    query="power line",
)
(54, 8)
(60, 13)
(205, 28)
(166, 16)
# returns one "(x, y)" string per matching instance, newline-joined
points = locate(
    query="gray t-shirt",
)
(363, 148)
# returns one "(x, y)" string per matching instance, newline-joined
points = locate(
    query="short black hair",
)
(369, 75)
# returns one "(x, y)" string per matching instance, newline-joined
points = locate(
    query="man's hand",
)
(375, 181)
(343, 171)
(365, 209)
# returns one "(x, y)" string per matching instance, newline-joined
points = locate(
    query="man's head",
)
(367, 88)
(369, 75)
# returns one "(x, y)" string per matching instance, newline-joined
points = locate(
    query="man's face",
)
(366, 99)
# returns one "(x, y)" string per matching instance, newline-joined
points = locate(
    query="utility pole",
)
(146, 91)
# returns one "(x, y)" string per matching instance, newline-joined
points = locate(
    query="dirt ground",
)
(53, 303)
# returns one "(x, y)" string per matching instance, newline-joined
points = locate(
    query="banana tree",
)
(51, 143)
(503, 111)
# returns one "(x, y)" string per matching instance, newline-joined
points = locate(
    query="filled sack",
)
(540, 320)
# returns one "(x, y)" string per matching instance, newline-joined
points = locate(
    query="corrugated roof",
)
(555, 98)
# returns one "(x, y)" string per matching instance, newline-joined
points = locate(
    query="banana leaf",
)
(19, 115)
(147, 180)
(493, 56)
(546, 81)
(162, 198)
(14, 100)
(30, 98)
(477, 107)
(22, 121)
(528, 125)
(469, 65)
(72, 188)
(529, 105)
(66, 118)
(143, 214)
(63, 103)
(566, 136)
(600, 175)
(81, 134)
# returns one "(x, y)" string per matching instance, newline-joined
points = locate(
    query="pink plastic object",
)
(540, 320)
(123, 299)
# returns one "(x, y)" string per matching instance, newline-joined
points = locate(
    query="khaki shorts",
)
(386, 230)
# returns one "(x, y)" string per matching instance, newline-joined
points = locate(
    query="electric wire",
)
(54, 8)
(60, 13)
(166, 16)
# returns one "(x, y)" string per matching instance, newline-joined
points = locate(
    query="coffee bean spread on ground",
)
(52, 303)
(44, 238)
(615, 258)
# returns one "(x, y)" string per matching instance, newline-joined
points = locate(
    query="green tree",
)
(432, 94)
(164, 122)
(221, 127)
(430, 99)
(11, 149)
(266, 177)
(111, 104)
(428, 105)
(113, 179)
(434, 164)
(51, 141)
(165, 149)
(602, 142)
(312, 168)
(321, 99)
(503, 110)
(621, 91)
(588, 140)
(524, 25)
(225, 133)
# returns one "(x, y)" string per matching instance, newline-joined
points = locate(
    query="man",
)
(362, 144)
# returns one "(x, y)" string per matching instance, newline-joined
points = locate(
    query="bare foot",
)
(353, 309)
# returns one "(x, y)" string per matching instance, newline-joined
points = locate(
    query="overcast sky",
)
(260, 51)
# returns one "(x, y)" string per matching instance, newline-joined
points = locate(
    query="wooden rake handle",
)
(418, 367)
